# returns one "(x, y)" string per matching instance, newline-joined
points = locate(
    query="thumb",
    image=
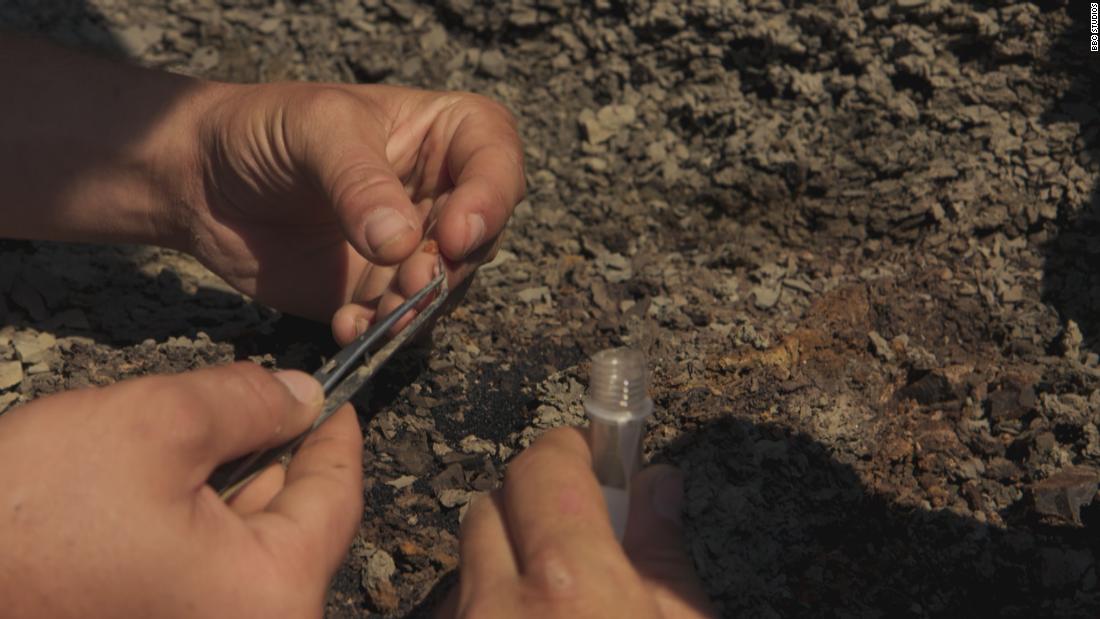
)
(347, 147)
(655, 544)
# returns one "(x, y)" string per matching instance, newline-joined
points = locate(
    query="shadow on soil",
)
(1071, 272)
(71, 23)
(809, 539)
(806, 537)
(101, 292)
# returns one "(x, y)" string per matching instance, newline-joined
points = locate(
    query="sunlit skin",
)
(543, 546)
(329, 201)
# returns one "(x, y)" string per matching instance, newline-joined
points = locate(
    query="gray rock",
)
(380, 566)
(138, 39)
(38, 368)
(474, 445)
(880, 346)
(11, 374)
(534, 294)
(765, 296)
(453, 497)
(493, 64)
(402, 482)
(601, 125)
(33, 348)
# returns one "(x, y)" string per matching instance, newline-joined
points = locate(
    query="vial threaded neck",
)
(618, 380)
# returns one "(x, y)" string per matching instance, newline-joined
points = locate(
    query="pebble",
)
(765, 297)
(534, 294)
(380, 565)
(33, 348)
(380, 568)
(402, 482)
(474, 445)
(880, 346)
(138, 39)
(453, 497)
(11, 374)
(38, 368)
(493, 64)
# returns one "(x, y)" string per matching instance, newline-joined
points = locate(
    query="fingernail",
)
(385, 226)
(475, 231)
(301, 385)
(668, 496)
(361, 325)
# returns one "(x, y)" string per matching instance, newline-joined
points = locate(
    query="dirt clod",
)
(1059, 498)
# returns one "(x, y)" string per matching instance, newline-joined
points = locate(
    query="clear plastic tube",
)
(617, 405)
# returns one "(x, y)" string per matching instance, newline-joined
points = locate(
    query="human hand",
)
(542, 546)
(107, 513)
(315, 198)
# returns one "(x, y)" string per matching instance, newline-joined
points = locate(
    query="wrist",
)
(178, 158)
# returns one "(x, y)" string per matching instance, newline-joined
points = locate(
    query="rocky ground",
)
(860, 243)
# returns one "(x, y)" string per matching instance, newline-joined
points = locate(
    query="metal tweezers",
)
(344, 374)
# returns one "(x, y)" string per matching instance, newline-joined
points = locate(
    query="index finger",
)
(317, 513)
(485, 159)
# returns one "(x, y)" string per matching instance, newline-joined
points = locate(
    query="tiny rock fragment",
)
(1014, 294)
(615, 268)
(474, 445)
(765, 297)
(880, 346)
(11, 374)
(138, 39)
(493, 64)
(1011, 400)
(402, 482)
(380, 567)
(534, 294)
(7, 399)
(1071, 341)
(604, 124)
(434, 40)
(503, 256)
(33, 348)
(1060, 497)
(38, 368)
(454, 497)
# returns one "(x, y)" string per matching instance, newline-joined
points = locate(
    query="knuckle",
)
(328, 103)
(473, 102)
(363, 177)
(549, 578)
(255, 392)
(576, 585)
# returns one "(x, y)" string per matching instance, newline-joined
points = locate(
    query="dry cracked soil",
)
(859, 242)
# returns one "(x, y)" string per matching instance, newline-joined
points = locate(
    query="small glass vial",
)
(617, 405)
